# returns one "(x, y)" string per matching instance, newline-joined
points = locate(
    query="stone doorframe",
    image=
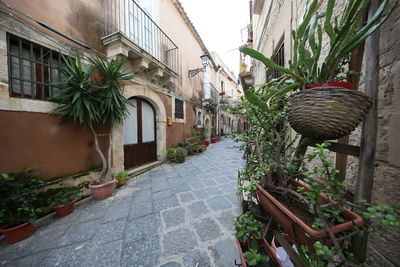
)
(161, 124)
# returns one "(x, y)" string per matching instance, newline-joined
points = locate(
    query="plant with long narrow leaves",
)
(345, 33)
(89, 101)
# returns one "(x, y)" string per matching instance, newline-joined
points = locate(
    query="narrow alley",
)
(173, 215)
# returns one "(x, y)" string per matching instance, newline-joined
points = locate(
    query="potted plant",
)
(121, 177)
(18, 207)
(213, 140)
(323, 76)
(177, 154)
(253, 249)
(199, 148)
(63, 201)
(206, 142)
(88, 100)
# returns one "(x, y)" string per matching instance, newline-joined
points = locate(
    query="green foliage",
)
(77, 99)
(188, 146)
(120, 175)
(112, 105)
(384, 216)
(247, 228)
(324, 181)
(64, 196)
(253, 257)
(345, 35)
(177, 154)
(18, 197)
(200, 147)
(313, 260)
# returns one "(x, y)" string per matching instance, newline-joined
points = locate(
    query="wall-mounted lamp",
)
(204, 60)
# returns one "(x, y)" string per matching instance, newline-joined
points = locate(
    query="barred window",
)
(179, 109)
(279, 58)
(33, 69)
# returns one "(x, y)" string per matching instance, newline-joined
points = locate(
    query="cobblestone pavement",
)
(173, 215)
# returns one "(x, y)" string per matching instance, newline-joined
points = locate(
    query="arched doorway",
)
(140, 145)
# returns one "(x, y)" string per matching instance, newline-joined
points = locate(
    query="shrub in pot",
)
(177, 154)
(188, 145)
(121, 177)
(199, 148)
(18, 204)
(63, 201)
(252, 246)
(87, 100)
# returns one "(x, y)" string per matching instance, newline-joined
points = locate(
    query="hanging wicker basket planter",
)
(327, 113)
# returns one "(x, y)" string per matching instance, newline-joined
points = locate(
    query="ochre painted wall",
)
(41, 142)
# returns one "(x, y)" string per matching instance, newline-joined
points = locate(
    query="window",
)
(178, 109)
(279, 59)
(33, 69)
(222, 86)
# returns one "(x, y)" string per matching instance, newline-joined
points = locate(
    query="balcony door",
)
(140, 146)
(140, 27)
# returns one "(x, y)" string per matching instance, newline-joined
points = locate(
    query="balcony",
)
(131, 32)
(210, 95)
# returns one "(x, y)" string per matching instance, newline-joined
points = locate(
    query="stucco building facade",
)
(157, 42)
(273, 22)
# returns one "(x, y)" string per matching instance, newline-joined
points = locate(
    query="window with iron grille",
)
(33, 69)
(279, 59)
(178, 109)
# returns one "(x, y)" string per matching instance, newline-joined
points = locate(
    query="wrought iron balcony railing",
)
(128, 18)
(210, 92)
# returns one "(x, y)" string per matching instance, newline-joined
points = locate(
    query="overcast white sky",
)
(219, 23)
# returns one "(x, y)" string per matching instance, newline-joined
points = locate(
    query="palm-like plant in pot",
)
(18, 204)
(90, 101)
(314, 112)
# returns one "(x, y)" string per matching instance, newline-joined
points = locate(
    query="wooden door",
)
(140, 144)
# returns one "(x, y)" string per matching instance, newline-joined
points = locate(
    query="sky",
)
(219, 23)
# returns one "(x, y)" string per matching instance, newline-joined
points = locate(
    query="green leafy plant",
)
(200, 147)
(188, 146)
(87, 100)
(247, 228)
(324, 181)
(345, 34)
(64, 196)
(18, 197)
(120, 175)
(177, 154)
(253, 257)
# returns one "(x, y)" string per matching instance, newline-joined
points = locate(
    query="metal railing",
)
(210, 92)
(128, 18)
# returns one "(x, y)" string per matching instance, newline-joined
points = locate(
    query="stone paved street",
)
(173, 215)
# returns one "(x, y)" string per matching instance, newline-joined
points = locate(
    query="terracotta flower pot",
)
(18, 233)
(103, 191)
(268, 249)
(206, 142)
(65, 209)
(295, 227)
(345, 85)
(213, 140)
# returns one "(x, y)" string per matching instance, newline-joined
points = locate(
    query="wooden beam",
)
(355, 65)
(365, 176)
(338, 148)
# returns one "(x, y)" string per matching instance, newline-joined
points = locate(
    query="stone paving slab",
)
(171, 216)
